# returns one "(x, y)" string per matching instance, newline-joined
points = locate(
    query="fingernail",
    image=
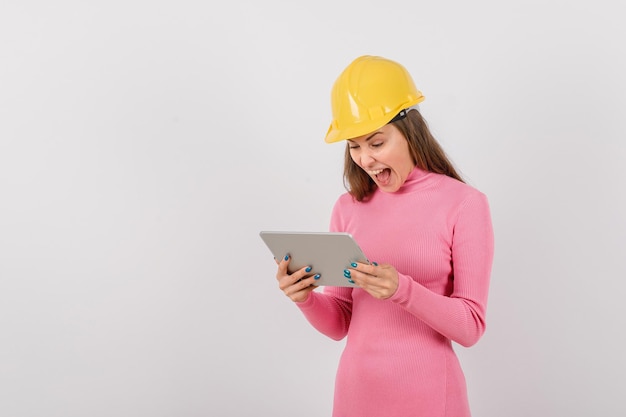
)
(317, 276)
(374, 263)
(350, 281)
(286, 257)
(353, 265)
(346, 273)
(308, 269)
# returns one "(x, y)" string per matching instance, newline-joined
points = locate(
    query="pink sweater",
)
(398, 359)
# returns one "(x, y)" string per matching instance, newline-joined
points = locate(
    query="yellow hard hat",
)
(367, 95)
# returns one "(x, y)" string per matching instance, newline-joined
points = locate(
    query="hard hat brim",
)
(337, 135)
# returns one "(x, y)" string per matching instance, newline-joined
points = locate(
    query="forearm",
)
(329, 313)
(461, 319)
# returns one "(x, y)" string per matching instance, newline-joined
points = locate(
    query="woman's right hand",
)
(296, 286)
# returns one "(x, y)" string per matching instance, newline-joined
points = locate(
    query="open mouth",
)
(381, 175)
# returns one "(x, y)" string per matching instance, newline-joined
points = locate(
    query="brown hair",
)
(425, 151)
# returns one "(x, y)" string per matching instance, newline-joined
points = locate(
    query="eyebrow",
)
(368, 138)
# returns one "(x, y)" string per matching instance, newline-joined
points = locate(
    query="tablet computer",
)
(328, 253)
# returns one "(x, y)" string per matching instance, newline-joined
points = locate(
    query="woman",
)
(432, 236)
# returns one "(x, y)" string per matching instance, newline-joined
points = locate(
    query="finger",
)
(283, 263)
(363, 280)
(302, 273)
(283, 267)
(287, 280)
(301, 296)
(373, 279)
(370, 269)
(306, 284)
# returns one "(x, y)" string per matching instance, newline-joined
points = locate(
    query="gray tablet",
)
(328, 253)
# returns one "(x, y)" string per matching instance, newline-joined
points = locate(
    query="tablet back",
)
(328, 253)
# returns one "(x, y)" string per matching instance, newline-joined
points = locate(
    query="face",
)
(384, 155)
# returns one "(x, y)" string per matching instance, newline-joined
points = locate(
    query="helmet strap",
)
(400, 115)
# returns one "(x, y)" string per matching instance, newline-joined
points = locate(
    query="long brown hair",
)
(426, 153)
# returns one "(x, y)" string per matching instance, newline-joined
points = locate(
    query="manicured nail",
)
(317, 276)
(353, 265)
(350, 281)
(346, 273)
(308, 269)
(286, 257)
(374, 263)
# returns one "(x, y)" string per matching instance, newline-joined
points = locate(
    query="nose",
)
(366, 159)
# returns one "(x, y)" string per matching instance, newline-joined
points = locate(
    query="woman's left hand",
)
(380, 281)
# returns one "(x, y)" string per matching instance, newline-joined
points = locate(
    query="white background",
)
(143, 146)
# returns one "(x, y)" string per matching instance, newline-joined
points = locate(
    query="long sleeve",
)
(329, 311)
(461, 315)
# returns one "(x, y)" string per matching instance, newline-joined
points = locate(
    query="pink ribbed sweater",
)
(398, 359)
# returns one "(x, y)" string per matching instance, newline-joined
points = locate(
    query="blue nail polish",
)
(350, 281)
(286, 257)
(353, 265)
(308, 269)
(346, 273)
(374, 263)
(317, 276)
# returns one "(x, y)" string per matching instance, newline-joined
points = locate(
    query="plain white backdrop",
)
(143, 146)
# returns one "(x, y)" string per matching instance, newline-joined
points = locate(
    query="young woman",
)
(431, 237)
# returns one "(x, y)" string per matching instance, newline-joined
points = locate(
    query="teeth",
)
(378, 171)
